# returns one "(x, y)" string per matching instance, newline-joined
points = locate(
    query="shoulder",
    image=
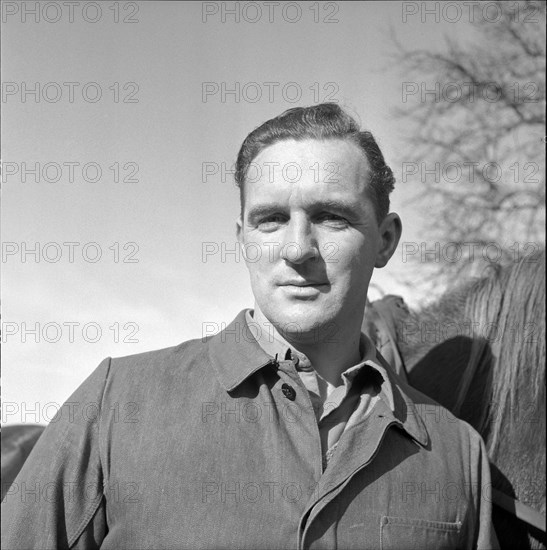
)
(156, 364)
(159, 357)
(446, 431)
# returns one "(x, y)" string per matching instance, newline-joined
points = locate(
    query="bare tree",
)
(475, 113)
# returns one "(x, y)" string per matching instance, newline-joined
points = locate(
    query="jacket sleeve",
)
(57, 499)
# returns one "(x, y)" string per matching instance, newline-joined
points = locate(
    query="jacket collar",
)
(404, 409)
(236, 355)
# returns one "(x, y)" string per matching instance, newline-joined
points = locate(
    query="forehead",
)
(322, 166)
(343, 152)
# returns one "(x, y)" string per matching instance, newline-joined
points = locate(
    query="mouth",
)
(304, 284)
(304, 290)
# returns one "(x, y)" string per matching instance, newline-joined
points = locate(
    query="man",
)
(287, 429)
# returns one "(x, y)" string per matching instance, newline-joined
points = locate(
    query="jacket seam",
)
(92, 511)
(84, 523)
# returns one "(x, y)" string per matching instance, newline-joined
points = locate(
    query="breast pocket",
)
(418, 534)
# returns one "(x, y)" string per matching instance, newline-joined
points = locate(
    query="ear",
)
(390, 232)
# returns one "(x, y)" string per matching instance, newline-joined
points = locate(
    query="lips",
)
(303, 283)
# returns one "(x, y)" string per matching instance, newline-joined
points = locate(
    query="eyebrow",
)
(261, 210)
(348, 209)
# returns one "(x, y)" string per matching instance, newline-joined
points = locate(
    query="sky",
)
(137, 114)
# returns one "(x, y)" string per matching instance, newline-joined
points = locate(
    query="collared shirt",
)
(205, 446)
(333, 405)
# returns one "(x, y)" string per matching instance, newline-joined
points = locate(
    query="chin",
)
(303, 318)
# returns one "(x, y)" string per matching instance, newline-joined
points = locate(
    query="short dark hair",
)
(323, 121)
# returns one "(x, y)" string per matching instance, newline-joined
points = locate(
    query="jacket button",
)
(288, 392)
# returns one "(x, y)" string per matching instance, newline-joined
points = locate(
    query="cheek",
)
(255, 255)
(260, 251)
(350, 261)
(260, 268)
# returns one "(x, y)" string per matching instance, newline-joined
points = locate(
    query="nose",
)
(299, 244)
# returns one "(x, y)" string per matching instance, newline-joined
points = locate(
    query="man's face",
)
(309, 234)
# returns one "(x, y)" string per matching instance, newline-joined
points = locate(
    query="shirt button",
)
(288, 392)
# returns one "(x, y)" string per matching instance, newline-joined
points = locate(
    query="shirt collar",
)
(276, 346)
(235, 355)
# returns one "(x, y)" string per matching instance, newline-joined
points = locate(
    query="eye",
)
(271, 223)
(332, 219)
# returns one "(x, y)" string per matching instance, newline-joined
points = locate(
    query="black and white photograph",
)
(273, 275)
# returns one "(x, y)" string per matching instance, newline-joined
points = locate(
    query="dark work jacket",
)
(212, 444)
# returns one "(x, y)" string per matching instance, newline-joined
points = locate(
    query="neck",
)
(330, 354)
